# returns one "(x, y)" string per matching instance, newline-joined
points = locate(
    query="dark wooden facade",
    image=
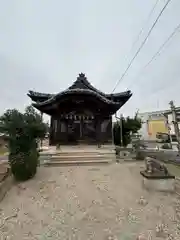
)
(80, 114)
(80, 128)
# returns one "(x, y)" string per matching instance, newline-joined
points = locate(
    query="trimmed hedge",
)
(23, 158)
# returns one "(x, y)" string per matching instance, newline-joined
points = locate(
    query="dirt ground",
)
(88, 202)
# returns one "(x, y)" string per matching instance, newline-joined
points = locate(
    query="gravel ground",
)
(88, 202)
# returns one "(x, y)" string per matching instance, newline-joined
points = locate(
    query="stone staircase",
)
(77, 156)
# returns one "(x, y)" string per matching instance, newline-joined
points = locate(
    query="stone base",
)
(159, 184)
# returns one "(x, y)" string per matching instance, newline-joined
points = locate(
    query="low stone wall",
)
(127, 154)
(165, 156)
(6, 181)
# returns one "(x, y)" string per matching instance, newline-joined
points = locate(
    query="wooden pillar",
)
(66, 133)
(52, 138)
(55, 129)
(41, 120)
(51, 132)
(98, 130)
(58, 130)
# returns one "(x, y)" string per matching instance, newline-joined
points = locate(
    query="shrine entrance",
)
(81, 130)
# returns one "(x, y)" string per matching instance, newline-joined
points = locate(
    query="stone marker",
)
(156, 176)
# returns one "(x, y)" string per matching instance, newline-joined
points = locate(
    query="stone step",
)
(76, 163)
(76, 158)
(72, 153)
(82, 158)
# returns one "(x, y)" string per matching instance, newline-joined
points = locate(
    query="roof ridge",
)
(83, 79)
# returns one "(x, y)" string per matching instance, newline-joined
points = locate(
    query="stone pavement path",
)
(88, 202)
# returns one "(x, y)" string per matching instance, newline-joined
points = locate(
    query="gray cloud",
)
(44, 45)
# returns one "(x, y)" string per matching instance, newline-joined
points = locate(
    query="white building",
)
(152, 122)
(157, 121)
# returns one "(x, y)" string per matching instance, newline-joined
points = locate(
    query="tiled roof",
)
(77, 91)
(80, 86)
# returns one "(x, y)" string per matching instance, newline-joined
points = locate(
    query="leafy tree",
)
(129, 126)
(23, 131)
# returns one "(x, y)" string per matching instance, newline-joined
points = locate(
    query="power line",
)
(142, 29)
(142, 44)
(161, 89)
(161, 48)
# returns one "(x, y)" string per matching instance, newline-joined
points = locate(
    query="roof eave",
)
(36, 96)
(49, 110)
(57, 97)
(53, 100)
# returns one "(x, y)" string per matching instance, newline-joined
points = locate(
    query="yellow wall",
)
(155, 126)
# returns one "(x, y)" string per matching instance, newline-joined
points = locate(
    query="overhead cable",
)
(142, 44)
(142, 29)
(144, 25)
(161, 48)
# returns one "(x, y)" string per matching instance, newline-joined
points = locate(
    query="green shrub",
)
(23, 132)
(23, 158)
(129, 126)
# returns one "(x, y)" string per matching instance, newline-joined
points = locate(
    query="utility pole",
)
(121, 132)
(175, 122)
(168, 128)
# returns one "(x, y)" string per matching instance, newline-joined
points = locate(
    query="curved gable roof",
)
(80, 86)
(76, 91)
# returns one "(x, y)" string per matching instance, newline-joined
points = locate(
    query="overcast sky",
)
(44, 44)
